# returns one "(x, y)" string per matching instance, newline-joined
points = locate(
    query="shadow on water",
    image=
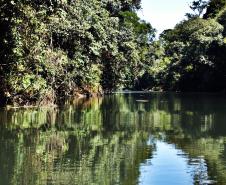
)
(138, 138)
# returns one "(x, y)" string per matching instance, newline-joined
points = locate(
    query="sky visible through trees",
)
(164, 14)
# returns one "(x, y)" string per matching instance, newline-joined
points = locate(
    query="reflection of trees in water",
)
(50, 145)
(80, 160)
(104, 140)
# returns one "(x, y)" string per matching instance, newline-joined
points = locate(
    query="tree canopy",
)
(193, 53)
(52, 49)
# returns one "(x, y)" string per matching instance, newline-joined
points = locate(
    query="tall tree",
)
(198, 8)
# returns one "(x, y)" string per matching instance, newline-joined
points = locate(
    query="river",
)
(124, 138)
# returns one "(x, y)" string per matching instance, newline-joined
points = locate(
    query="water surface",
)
(125, 139)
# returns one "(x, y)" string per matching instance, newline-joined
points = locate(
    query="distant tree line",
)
(192, 56)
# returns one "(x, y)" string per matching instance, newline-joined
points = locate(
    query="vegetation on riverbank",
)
(191, 57)
(50, 50)
(54, 49)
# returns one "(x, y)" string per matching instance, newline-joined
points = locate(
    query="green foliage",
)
(192, 58)
(214, 8)
(50, 50)
(54, 48)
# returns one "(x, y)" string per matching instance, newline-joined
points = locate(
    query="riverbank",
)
(80, 96)
(50, 98)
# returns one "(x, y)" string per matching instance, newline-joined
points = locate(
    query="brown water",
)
(128, 139)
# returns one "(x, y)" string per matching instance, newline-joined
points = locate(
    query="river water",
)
(126, 139)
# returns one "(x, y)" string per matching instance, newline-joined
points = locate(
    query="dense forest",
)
(191, 57)
(53, 49)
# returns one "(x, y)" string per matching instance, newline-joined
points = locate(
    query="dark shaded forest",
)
(53, 49)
